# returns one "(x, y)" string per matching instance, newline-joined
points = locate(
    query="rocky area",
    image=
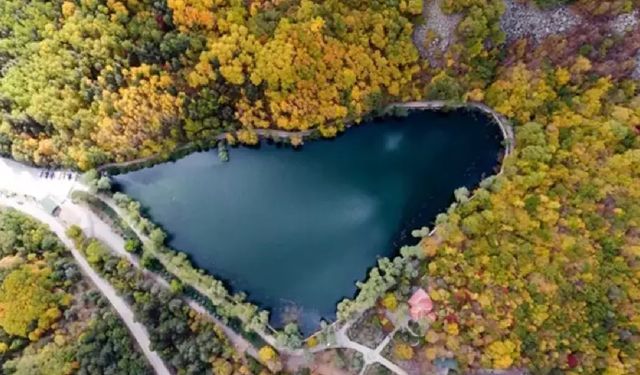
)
(520, 20)
(624, 22)
(438, 32)
(524, 19)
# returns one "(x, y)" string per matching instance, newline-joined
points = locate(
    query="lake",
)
(295, 229)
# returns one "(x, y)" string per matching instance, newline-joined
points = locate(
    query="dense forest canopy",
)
(539, 270)
(51, 320)
(88, 82)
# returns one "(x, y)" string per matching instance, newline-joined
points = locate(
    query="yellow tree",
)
(139, 120)
(26, 297)
(193, 14)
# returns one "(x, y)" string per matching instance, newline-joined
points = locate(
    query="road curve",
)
(500, 120)
(95, 227)
(138, 331)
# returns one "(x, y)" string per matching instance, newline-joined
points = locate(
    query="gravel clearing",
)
(443, 25)
(520, 20)
(621, 25)
(624, 22)
(438, 23)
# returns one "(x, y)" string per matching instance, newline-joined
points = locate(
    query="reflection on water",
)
(297, 229)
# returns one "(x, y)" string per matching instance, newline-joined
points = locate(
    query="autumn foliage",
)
(101, 81)
(540, 269)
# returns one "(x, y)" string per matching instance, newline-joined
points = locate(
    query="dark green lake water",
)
(297, 229)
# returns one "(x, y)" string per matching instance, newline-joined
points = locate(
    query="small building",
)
(50, 205)
(421, 305)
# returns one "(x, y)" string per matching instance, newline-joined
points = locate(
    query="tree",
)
(103, 184)
(270, 357)
(95, 252)
(461, 194)
(137, 120)
(403, 351)
(133, 245)
(27, 296)
(444, 87)
(176, 287)
(157, 236)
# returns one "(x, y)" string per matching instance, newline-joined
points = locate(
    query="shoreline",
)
(184, 150)
(439, 105)
(27, 176)
(506, 149)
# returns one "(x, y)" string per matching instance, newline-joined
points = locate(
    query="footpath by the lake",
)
(434, 105)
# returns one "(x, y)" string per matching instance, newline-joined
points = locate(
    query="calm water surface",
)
(297, 229)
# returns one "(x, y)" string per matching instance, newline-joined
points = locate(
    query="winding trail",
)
(138, 331)
(93, 226)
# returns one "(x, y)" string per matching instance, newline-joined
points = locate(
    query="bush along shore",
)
(148, 242)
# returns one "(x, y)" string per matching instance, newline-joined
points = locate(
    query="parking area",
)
(36, 182)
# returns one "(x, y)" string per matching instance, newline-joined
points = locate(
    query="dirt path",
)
(95, 227)
(138, 331)
(71, 214)
(370, 356)
(103, 232)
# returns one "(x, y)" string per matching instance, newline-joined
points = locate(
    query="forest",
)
(52, 321)
(184, 339)
(540, 269)
(537, 268)
(88, 82)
